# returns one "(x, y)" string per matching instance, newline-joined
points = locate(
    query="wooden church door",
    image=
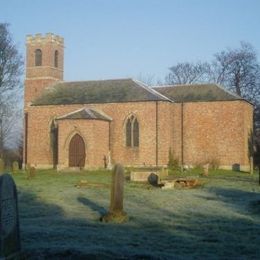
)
(77, 152)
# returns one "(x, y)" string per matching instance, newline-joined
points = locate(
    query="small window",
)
(38, 57)
(56, 58)
(132, 132)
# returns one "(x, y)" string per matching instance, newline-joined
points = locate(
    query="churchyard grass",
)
(220, 219)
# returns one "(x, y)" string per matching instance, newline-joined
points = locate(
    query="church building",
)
(91, 124)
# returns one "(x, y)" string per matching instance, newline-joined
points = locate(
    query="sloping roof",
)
(86, 113)
(102, 91)
(197, 92)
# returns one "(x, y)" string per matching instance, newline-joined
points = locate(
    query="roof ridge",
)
(94, 80)
(151, 90)
(202, 84)
(70, 113)
(90, 111)
(181, 85)
(228, 91)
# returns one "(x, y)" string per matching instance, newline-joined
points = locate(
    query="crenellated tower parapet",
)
(48, 37)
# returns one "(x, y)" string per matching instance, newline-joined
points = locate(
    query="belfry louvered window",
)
(132, 132)
(38, 57)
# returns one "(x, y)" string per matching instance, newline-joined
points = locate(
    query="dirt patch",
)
(181, 183)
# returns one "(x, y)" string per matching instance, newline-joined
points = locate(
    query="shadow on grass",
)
(243, 202)
(92, 205)
(48, 233)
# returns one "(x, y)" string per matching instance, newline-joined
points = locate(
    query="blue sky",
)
(134, 38)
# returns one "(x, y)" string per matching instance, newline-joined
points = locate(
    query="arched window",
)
(132, 132)
(56, 56)
(38, 57)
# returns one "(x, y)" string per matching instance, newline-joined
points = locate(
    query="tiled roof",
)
(102, 91)
(196, 92)
(86, 113)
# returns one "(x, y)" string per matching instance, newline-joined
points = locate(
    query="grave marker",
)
(2, 165)
(31, 171)
(10, 245)
(116, 213)
(15, 166)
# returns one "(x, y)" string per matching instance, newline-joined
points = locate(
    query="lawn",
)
(218, 220)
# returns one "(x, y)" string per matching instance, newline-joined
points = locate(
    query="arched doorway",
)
(77, 152)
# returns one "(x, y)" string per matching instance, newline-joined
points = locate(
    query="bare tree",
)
(239, 71)
(188, 73)
(10, 73)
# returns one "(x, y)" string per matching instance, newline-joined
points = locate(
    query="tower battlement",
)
(42, 38)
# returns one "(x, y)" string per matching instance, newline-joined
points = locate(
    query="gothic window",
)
(132, 132)
(56, 56)
(38, 57)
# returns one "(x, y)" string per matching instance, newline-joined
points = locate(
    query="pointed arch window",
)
(38, 57)
(132, 132)
(56, 59)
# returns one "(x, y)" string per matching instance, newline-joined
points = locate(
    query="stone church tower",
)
(44, 64)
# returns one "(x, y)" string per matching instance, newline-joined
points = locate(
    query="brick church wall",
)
(40, 117)
(211, 131)
(95, 134)
(216, 131)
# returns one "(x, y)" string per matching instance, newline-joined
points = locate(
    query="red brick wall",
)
(95, 134)
(212, 131)
(40, 77)
(166, 131)
(40, 118)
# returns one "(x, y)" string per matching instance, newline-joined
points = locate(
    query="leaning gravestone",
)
(116, 213)
(10, 245)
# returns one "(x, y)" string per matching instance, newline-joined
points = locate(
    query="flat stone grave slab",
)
(141, 176)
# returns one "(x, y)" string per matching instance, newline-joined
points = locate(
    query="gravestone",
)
(31, 171)
(2, 165)
(206, 169)
(10, 245)
(109, 164)
(153, 179)
(144, 176)
(15, 166)
(116, 213)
